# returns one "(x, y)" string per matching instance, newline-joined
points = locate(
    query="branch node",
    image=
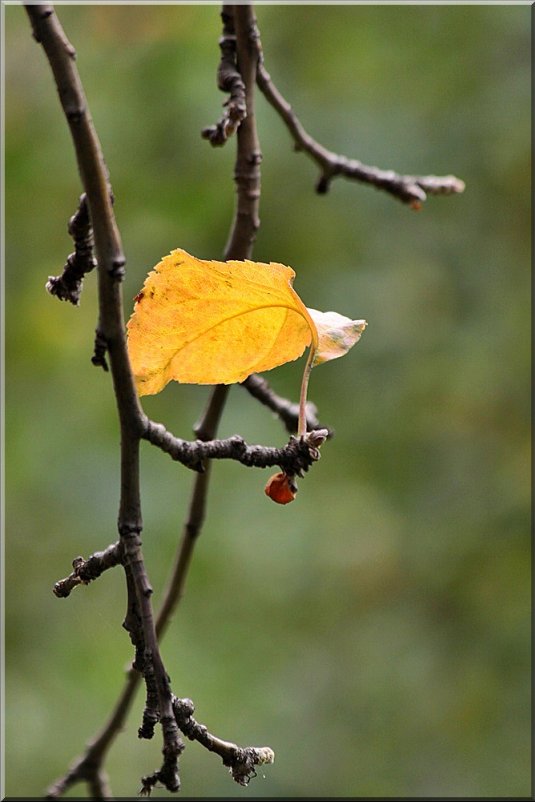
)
(323, 183)
(129, 530)
(74, 115)
(99, 351)
(117, 271)
(150, 719)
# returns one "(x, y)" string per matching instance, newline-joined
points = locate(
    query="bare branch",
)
(286, 410)
(228, 80)
(82, 771)
(111, 336)
(88, 767)
(410, 189)
(249, 156)
(240, 760)
(85, 571)
(205, 429)
(294, 458)
(68, 286)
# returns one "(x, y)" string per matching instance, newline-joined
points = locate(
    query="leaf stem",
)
(302, 422)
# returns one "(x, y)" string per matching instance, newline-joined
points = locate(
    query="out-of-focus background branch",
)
(399, 579)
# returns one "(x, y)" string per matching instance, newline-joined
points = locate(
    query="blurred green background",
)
(375, 633)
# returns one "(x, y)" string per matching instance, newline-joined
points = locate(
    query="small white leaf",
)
(336, 334)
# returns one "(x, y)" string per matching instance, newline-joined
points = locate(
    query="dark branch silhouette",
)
(287, 411)
(110, 340)
(68, 286)
(228, 80)
(407, 188)
(241, 760)
(97, 243)
(295, 458)
(410, 189)
(85, 571)
(110, 330)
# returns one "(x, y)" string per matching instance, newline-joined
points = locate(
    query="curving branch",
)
(241, 760)
(409, 189)
(287, 411)
(111, 335)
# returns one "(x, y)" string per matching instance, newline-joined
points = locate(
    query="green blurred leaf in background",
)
(377, 634)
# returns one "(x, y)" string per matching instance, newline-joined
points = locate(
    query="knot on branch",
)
(150, 719)
(68, 286)
(302, 452)
(151, 713)
(99, 351)
(242, 764)
(166, 776)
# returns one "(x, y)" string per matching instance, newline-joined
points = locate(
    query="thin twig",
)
(410, 189)
(287, 411)
(68, 286)
(205, 429)
(85, 571)
(241, 760)
(98, 747)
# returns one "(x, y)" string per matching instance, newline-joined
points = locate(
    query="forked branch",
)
(110, 338)
(410, 189)
(240, 68)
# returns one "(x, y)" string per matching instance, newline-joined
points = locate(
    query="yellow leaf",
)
(336, 335)
(203, 322)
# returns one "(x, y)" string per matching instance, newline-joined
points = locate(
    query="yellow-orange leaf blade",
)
(336, 335)
(206, 322)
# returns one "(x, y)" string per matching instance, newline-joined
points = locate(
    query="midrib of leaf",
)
(313, 330)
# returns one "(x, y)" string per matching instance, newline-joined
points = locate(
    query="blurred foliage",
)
(375, 633)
